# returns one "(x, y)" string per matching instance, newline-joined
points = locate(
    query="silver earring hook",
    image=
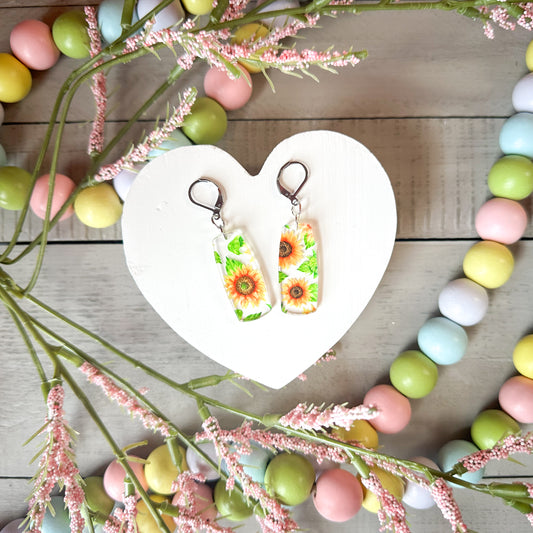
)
(292, 196)
(216, 219)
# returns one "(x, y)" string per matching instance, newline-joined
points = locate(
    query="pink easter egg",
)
(203, 496)
(63, 187)
(501, 220)
(516, 399)
(31, 41)
(394, 408)
(229, 93)
(114, 479)
(338, 495)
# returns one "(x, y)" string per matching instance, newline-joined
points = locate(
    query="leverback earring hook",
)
(292, 196)
(216, 219)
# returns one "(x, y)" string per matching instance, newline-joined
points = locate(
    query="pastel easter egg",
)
(501, 220)
(229, 93)
(337, 495)
(203, 496)
(522, 96)
(231, 504)
(361, 433)
(63, 188)
(110, 18)
(523, 356)
(490, 426)
(166, 18)
(516, 398)
(15, 79)
(516, 135)
(416, 496)
(464, 301)
(442, 340)
(32, 43)
(255, 463)
(280, 21)
(413, 374)
(176, 139)
(489, 263)
(59, 521)
(249, 33)
(15, 185)
(206, 123)
(146, 523)
(529, 56)
(13, 526)
(392, 483)
(160, 471)
(96, 497)
(70, 34)
(452, 452)
(3, 157)
(123, 181)
(511, 177)
(198, 465)
(394, 408)
(115, 475)
(98, 206)
(198, 7)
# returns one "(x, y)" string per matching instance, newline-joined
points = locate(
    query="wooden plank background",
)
(428, 102)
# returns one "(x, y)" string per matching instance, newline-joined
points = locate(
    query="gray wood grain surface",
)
(428, 102)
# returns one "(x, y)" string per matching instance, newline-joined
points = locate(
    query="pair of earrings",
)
(243, 281)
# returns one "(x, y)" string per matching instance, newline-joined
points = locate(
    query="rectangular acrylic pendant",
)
(298, 269)
(242, 278)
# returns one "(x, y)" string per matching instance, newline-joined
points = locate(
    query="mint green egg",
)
(414, 374)
(511, 177)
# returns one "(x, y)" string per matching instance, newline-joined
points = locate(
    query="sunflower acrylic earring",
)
(242, 278)
(297, 267)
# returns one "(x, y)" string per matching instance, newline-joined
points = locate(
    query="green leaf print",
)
(310, 266)
(313, 290)
(238, 312)
(236, 244)
(308, 241)
(232, 265)
(217, 258)
(249, 318)
(282, 276)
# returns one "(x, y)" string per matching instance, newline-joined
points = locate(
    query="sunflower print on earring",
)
(298, 269)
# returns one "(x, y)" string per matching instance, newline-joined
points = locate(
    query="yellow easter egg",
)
(160, 471)
(361, 432)
(146, 522)
(523, 356)
(15, 79)
(488, 263)
(529, 56)
(392, 483)
(98, 206)
(250, 33)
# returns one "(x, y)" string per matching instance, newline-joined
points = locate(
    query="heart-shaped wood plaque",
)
(347, 199)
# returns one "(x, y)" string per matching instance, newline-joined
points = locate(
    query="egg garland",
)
(463, 302)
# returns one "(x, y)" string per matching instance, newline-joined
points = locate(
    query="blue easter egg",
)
(255, 464)
(452, 452)
(109, 18)
(60, 523)
(516, 135)
(442, 340)
(177, 139)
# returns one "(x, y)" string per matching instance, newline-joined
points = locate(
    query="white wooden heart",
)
(348, 200)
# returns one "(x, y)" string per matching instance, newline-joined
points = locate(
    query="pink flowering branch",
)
(139, 153)
(123, 520)
(56, 467)
(443, 496)
(126, 400)
(98, 87)
(316, 418)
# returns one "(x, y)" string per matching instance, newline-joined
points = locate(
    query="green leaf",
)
(308, 240)
(218, 259)
(316, 5)
(236, 244)
(238, 312)
(313, 290)
(219, 10)
(310, 266)
(282, 276)
(249, 318)
(232, 265)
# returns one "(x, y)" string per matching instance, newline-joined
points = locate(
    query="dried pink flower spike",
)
(443, 496)
(123, 520)
(56, 467)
